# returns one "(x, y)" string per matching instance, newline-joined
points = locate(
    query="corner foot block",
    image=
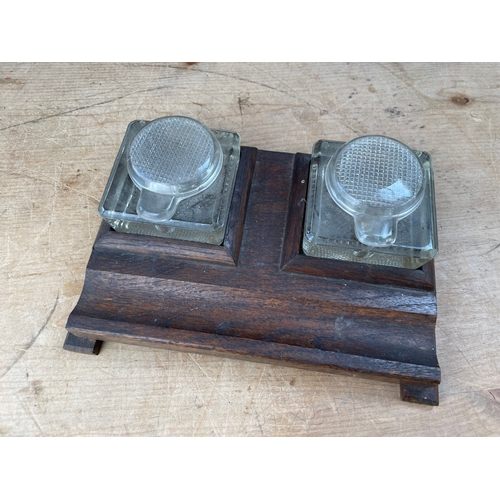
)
(82, 345)
(423, 394)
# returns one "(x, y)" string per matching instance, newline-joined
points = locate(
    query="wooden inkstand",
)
(258, 297)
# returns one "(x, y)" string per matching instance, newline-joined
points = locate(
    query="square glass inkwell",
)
(371, 200)
(173, 178)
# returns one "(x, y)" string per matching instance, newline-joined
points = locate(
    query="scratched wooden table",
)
(60, 128)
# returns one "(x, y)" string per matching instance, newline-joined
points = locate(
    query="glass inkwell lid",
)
(371, 200)
(171, 159)
(174, 178)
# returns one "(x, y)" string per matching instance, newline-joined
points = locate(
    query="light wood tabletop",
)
(60, 128)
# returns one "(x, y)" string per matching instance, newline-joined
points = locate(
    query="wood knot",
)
(461, 100)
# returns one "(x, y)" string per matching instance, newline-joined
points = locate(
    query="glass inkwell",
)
(174, 178)
(371, 200)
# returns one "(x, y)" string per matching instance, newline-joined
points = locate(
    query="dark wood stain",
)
(258, 297)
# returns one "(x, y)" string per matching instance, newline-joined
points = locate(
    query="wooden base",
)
(258, 297)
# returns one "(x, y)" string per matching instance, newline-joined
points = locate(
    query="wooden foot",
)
(427, 395)
(82, 345)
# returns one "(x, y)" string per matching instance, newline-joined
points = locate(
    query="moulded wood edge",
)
(252, 350)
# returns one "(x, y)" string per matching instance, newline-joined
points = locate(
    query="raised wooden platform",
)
(258, 297)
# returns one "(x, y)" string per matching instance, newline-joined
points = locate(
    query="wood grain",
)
(60, 128)
(254, 310)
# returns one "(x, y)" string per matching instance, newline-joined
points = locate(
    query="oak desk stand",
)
(258, 297)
